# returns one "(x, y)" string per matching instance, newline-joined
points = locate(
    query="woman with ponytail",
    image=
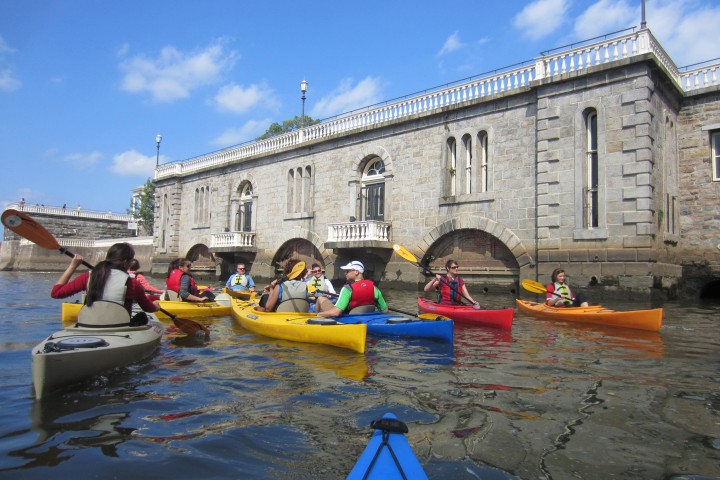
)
(108, 286)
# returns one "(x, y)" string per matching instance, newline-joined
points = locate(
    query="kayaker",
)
(293, 291)
(181, 281)
(134, 272)
(318, 281)
(451, 287)
(108, 286)
(358, 292)
(240, 281)
(559, 293)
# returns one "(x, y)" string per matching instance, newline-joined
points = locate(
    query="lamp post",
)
(158, 139)
(303, 89)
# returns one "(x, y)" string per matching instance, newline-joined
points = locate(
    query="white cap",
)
(354, 265)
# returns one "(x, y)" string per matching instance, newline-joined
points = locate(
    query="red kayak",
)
(467, 314)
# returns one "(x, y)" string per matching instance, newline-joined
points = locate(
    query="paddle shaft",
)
(412, 259)
(329, 294)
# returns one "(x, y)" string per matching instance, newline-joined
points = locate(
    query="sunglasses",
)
(188, 265)
(241, 268)
(454, 267)
(316, 271)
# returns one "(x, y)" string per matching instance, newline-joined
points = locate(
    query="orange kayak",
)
(650, 320)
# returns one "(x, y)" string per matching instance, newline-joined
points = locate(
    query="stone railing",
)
(73, 212)
(232, 239)
(359, 231)
(574, 58)
(107, 242)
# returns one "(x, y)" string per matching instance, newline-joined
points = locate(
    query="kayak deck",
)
(501, 318)
(75, 353)
(434, 327)
(650, 320)
(388, 455)
(300, 327)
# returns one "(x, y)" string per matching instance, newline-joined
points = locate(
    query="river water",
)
(548, 400)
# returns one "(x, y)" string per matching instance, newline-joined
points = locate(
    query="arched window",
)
(290, 191)
(483, 162)
(372, 196)
(469, 180)
(452, 165)
(244, 222)
(591, 183)
(306, 187)
(164, 221)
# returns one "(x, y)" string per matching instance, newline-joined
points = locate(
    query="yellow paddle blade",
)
(532, 286)
(404, 253)
(297, 271)
(26, 227)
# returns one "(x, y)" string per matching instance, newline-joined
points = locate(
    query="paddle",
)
(407, 255)
(427, 316)
(27, 227)
(536, 287)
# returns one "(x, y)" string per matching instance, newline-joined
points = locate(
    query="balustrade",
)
(572, 59)
(232, 239)
(359, 231)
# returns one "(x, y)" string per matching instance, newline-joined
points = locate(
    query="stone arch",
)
(299, 233)
(367, 152)
(501, 232)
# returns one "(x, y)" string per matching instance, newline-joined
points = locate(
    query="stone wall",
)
(699, 246)
(534, 203)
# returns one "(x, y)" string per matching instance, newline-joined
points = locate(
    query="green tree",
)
(145, 212)
(276, 129)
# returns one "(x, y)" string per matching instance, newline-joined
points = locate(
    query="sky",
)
(86, 85)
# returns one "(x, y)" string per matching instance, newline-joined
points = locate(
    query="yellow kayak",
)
(650, 320)
(69, 311)
(299, 327)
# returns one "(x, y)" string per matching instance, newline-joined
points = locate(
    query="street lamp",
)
(158, 139)
(303, 89)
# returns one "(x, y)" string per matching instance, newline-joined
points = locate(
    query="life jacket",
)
(110, 310)
(363, 293)
(565, 295)
(239, 280)
(293, 292)
(317, 282)
(173, 281)
(450, 295)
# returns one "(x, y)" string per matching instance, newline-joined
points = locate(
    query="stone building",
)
(599, 159)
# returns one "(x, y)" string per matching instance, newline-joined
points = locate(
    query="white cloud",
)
(173, 74)
(689, 36)
(4, 47)
(606, 16)
(452, 44)
(541, 18)
(347, 97)
(82, 160)
(8, 81)
(249, 131)
(238, 99)
(134, 164)
(123, 50)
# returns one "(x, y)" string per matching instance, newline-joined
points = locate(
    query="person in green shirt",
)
(358, 292)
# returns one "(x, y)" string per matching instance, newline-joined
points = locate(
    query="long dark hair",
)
(173, 265)
(118, 257)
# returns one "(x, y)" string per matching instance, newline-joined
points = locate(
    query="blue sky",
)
(86, 85)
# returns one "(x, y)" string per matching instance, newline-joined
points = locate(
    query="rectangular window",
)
(715, 137)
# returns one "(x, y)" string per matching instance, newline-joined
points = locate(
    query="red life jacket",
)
(451, 295)
(363, 293)
(173, 281)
